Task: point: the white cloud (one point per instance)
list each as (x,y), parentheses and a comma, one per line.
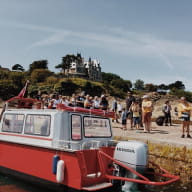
(56,38)
(121,42)
(127,42)
(117,40)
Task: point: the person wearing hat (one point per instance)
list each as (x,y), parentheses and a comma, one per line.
(184,112)
(147,108)
(104,104)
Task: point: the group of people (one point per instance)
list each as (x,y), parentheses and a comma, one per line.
(183,111)
(76,100)
(139,112)
(136,110)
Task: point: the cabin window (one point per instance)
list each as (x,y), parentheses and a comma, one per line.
(13,123)
(97,127)
(76,127)
(38,125)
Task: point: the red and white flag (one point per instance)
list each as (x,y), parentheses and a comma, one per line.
(23,91)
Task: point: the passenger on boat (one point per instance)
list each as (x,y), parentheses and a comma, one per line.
(104,104)
(88,102)
(73,100)
(81,99)
(96,102)
(64,100)
(45,99)
(54,101)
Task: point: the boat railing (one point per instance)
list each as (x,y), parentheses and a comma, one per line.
(79,145)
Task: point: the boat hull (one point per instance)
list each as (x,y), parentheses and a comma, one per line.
(44,184)
(35,164)
(36,181)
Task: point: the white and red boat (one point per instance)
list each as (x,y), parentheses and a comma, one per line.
(71,148)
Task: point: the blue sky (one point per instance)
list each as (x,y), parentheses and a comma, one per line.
(149,40)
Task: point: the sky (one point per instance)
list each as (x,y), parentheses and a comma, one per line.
(150,40)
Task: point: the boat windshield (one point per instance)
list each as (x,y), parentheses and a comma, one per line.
(96,127)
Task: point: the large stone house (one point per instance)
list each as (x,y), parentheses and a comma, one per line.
(90,69)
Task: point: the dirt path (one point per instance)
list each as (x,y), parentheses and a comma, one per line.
(159,134)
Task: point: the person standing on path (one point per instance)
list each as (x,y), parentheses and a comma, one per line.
(129,100)
(147,108)
(184,112)
(124,119)
(114,109)
(167,113)
(136,109)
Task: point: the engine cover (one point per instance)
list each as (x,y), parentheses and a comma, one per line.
(132,153)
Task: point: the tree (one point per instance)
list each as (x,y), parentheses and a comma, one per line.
(139,84)
(88,87)
(163,86)
(4,74)
(108,77)
(51,80)
(122,84)
(40,75)
(150,87)
(18,78)
(128,84)
(18,67)
(8,89)
(41,64)
(97,90)
(66,87)
(66,62)
(177,85)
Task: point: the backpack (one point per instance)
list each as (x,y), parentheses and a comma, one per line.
(160,120)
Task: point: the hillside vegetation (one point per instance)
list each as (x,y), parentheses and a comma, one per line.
(45,81)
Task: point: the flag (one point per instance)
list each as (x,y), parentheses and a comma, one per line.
(23,91)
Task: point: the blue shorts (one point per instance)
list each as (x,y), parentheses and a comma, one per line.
(136,120)
(185,117)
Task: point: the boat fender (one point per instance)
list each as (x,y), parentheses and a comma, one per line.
(60,171)
(54,163)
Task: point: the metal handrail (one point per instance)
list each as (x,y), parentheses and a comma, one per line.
(143,179)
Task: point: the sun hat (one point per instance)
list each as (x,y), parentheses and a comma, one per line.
(145,96)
